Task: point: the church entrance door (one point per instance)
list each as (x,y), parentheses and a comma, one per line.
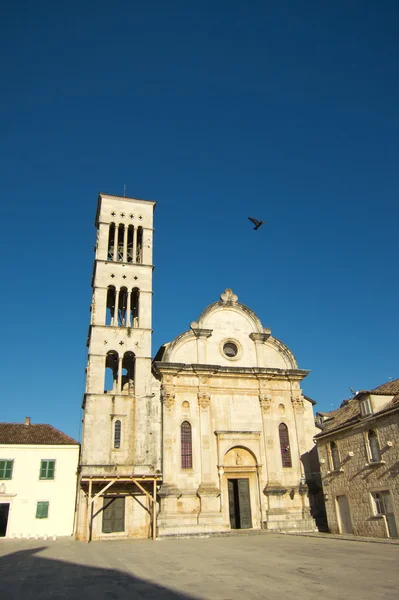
(239,504)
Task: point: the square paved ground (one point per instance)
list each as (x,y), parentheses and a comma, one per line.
(268,566)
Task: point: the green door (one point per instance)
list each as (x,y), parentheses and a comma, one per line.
(239,504)
(114,515)
(244,504)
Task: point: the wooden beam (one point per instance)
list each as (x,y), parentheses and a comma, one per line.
(143,490)
(154,510)
(101,491)
(88,514)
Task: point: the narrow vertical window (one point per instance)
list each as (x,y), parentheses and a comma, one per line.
(186,446)
(121,231)
(110,311)
(139,247)
(336,463)
(111,371)
(285,445)
(134,309)
(374,447)
(128,368)
(117,434)
(111,241)
(122,316)
(130,232)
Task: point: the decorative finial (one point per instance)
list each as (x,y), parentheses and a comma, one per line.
(228,296)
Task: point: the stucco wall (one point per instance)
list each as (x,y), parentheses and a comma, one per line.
(25,489)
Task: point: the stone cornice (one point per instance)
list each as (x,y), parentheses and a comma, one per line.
(181,368)
(260,337)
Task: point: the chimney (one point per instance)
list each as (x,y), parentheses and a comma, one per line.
(27,420)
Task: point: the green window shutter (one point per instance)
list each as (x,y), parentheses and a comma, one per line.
(42,510)
(50,469)
(43,469)
(6,469)
(9,466)
(47,469)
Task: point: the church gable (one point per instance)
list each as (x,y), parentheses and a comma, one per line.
(229,334)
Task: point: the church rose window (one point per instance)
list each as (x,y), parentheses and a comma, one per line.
(186,446)
(230,349)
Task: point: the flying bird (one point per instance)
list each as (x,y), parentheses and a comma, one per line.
(256,222)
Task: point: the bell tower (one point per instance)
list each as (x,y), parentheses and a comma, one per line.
(121,424)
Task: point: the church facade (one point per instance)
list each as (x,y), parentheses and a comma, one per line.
(211,435)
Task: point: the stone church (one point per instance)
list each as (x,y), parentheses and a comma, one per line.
(211,435)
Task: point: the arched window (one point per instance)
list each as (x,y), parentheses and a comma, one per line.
(186,446)
(109,318)
(285,445)
(374,446)
(128,365)
(111,242)
(117,434)
(111,371)
(336,463)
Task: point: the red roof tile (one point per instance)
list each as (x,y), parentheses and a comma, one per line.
(19,433)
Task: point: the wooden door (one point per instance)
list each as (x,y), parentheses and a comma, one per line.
(344,514)
(389,514)
(114,515)
(244,502)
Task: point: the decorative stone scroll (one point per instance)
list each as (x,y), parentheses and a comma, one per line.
(266,402)
(204,400)
(168,399)
(297,404)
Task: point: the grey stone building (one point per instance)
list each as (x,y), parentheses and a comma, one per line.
(358,449)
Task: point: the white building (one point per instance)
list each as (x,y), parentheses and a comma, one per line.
(38,473)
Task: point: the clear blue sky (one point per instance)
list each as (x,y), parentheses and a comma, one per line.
(286,111)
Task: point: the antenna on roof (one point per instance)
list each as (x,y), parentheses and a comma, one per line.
(124,190)
(352,391)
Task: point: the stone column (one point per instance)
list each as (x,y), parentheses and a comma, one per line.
(134,244)
(120,374)
(208,491)
(169,491)
(116,242)
(259,339)
(125,234)
(116,307)
(201,335)
(128,307)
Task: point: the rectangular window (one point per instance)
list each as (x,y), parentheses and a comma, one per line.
(366,408)
(6,467)
(47,469)
(42,510)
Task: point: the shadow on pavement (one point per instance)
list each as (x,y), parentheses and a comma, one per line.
(25,576)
